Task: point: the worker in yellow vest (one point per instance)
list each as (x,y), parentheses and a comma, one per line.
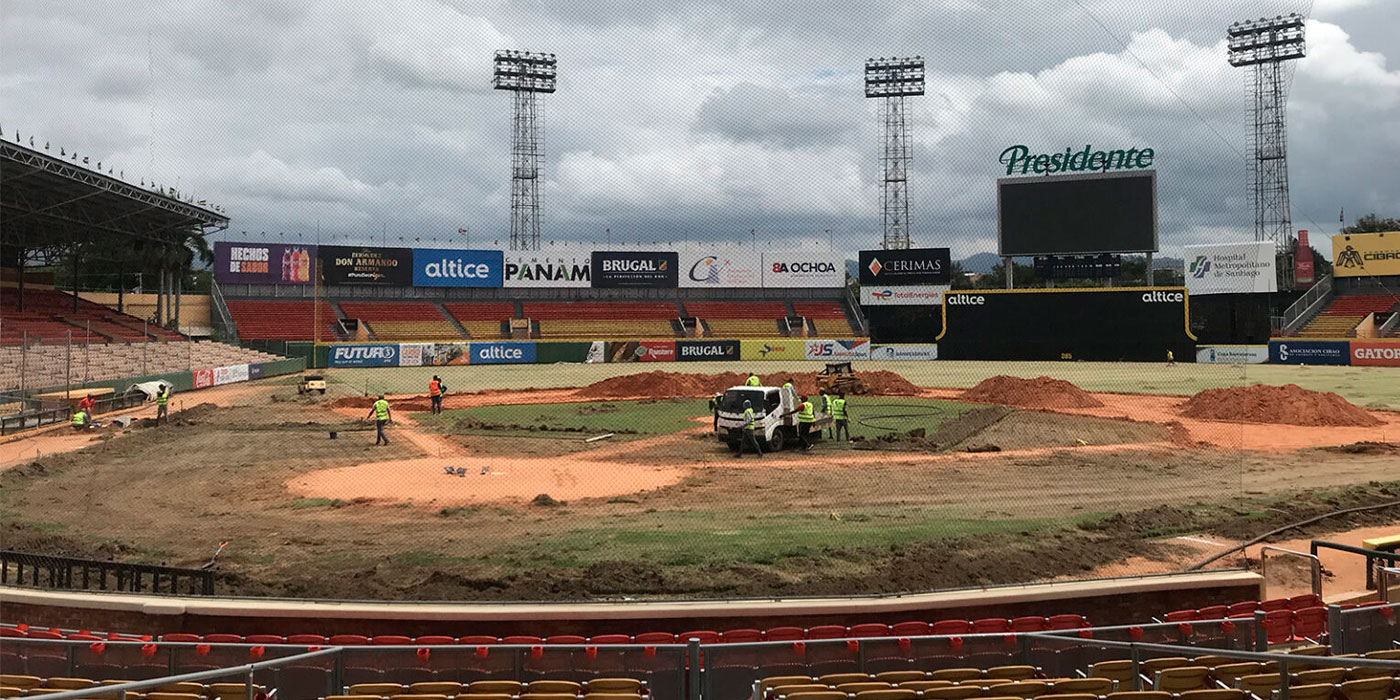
(840,417)
(80,421)
(806,416)
(753,380)
(750,432)
(380,412)
(163,404)
(826,409)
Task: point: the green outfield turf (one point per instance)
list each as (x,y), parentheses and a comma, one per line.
(1375,387)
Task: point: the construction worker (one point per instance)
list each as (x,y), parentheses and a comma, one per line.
(80,421)
(87,404)
(1171,359)
(714,409)
(789,389)
(806,416)
(750,436)
(840,417)
(435,391)
(163,404)
(753,380)
(380,412)
(826,409)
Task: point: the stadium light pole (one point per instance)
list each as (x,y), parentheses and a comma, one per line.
(1263,45)
(526,76)
(891,80)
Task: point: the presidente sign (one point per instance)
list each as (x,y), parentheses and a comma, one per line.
(1366,254)
(1018,159)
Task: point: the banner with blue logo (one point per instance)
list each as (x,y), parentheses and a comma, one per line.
(364,355)
(502,353)
(434,267)
(1310,352)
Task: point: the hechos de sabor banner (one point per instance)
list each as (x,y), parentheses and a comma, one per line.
(263,263)
(541,270)
(922,266)
(1231,268)
(634,269)
(801,268)
(725,269)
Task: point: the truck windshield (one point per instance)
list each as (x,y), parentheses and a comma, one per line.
(734,399)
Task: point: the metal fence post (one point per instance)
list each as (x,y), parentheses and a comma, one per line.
(338,671)
(1137,667)
(248,692)
(1336,631)
(1261,635)
(1283,679)
(1026,649)
(692,661)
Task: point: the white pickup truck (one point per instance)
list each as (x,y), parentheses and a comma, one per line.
(775,414)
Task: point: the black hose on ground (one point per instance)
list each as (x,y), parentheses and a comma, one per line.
(1360,509)
(922,412)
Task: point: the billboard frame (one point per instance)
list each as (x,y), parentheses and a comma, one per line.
(1115,175)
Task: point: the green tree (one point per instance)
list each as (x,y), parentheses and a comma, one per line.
(1371,223)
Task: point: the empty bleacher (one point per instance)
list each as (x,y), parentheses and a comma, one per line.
(603,319)
(402,321)
(739,319)
(43,366)
(281,319)
(828,318)
(1343,314)
(481,319)
(49,316)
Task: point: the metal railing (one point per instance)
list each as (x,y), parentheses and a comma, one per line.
(1389,327)
(36,414)
(73,573)
(1314,565)
(216,296)
(1299,312)
(1372,556)
(1363,629)
(1384,574)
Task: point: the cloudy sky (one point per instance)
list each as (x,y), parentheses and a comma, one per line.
(688,121)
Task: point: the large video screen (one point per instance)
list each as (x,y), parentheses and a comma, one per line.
(1077,215)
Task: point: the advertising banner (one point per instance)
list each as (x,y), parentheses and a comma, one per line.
(777,349)
(383,267)
(913,295)
(904,351)
(803,268)
(912,266)
(1369,353)
(1366,254)
(434,267)
(696,350)
(1232,354)
(255,371)
(1309,352)
(614,269)
(1303,274)
(443,354)
(546,352)
(733,269)
(642,351)
(230,374)
(553,271)
(364,355)
(502,353)
(1231,268)
(852,349)
(203,378)
(263,263)
(410,354)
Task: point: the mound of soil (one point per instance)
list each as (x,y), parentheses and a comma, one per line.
(660,384)
(1041,392)
(1289,404)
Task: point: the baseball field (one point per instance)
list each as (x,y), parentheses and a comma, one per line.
(594,481)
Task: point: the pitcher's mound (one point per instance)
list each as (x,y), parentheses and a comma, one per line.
(1289,404)
(1041,392)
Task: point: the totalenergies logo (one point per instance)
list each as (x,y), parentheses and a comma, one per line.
(883,294)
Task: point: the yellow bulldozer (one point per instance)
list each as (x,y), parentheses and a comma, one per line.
(838,377)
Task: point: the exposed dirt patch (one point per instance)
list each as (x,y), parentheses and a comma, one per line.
(1289,404)
(1029,429)
(947,435)
(1041,392)
(679,384)
(1366,448)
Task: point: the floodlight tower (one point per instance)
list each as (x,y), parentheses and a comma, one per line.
(1264,45)
(527,76)
(891,80)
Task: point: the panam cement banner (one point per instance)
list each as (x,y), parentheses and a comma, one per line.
(1366,254)
(1231,268)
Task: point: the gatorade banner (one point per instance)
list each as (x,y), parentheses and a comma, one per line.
(1370,353)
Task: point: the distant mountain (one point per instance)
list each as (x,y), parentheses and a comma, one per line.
(981,263)
(1164,263)
(853,269)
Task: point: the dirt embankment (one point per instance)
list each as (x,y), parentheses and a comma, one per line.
(678,384)
(1041,392)
(1289,404)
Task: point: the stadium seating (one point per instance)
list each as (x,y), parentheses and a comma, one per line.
(282,320)
(724,319)
(402,321)
(827,317)
(481,319)
(1344,312)
(607,320)
(44,365)
(49,317)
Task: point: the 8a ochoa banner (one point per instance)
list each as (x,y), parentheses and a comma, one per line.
(852,349)
(1309,352)
(1366,254)
(382,267)
(1139,324)
(632,269)
(263,263)
(697,350)
(904,351)
(912,266)
(364,355)
(721,269)
(502,353)
(777,349)
(642,351)
(1372,353)
(541,270)
(801,268)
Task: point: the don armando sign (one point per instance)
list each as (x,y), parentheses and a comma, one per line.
(1020,161)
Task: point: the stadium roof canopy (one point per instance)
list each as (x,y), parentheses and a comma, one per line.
(49,203)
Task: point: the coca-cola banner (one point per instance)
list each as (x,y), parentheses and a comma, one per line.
(264,263)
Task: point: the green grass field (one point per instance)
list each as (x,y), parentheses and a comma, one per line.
(1375,387)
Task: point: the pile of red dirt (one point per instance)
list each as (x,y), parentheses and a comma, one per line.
(1289,404)
(660,384)
(1041,392)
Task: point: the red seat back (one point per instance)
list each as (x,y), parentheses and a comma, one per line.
(1213,612)
(1244,606)
(656,638)
(1181,616)
(912,628)
(1310,623)
(479,639)
(566,639)
(1306,600)
(390,640)
(1066,622)
(952,627)
(705,636)
(349,640)
(221,638)
(990,625)
(783,634)
(266,639)
(302,639)
(740,635)
(610,639)
(522,639)
(1274,604)
(870,629)
(1029,624)
(434,639)
(826,632)
(1278,626)
(179,637)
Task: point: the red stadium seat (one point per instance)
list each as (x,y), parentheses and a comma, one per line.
(1244,606)
(1306,600)
(610,639)
(1309,624)
(740,635)
(1278,626)
(566,639)
(434,640)
(479,639)
(349,640)
(266,639)
(221,638)
(1181,616)
(912,628)
(991,625)
(870,629)
(705,636)
(12,632)
(1066,622)
(179,637)
(1274,604)
(655,638)
(827,632)
(943,627)
(783,634)
(1029,624)
(1213,612)
(522,639)
(390,640)
(305,639)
